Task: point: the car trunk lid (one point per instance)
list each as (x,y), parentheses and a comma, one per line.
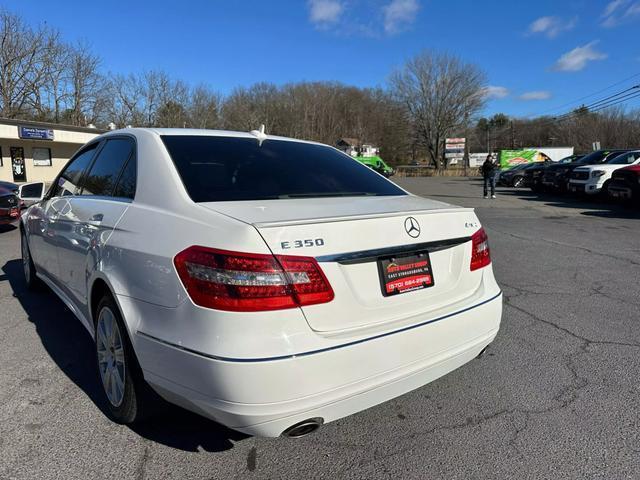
(348,237)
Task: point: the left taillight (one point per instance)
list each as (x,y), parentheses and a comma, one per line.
(250,282)
(480,253)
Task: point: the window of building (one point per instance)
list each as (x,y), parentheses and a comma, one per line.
(41,157)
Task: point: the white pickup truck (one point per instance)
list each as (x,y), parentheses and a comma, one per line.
(594,179)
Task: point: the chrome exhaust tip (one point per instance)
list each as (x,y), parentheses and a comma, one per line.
(303,428)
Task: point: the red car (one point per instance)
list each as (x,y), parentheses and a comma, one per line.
(9,205)
(625,183)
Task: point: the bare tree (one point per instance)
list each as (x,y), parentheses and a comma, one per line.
(440,93)
(23,64)
(125,106)
(85,85)
(204,108)
(54,94)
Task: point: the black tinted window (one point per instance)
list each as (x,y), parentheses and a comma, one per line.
(226,168)
(126,187)
(106,169)
(624,159)
(69,180)
(598,156)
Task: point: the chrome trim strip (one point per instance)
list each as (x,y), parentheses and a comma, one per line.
(363,256)
(321,350)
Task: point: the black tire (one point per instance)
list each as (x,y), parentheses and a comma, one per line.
(133,406)
(604,191)
(28,267)
(563,187)
(518,182)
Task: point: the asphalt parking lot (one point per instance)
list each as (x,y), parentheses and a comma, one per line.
(556,396)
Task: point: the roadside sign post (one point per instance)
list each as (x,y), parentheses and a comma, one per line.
(454,150)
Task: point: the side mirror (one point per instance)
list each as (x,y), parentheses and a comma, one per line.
(31,193)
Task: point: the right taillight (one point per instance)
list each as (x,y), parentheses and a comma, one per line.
(249,282)
(480,254)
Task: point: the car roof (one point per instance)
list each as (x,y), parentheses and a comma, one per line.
(204,133)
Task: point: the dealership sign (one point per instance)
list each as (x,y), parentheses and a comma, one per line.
(34,133)
(454,148)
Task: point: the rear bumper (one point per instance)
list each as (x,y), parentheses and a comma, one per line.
(266,396)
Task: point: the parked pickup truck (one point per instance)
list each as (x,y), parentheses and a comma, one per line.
(595,179)
(625,183)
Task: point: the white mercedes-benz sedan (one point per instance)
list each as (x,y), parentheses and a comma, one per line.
(270,284)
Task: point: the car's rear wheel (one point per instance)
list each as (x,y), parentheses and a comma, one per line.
(604,191)
(28,267)
(119,372)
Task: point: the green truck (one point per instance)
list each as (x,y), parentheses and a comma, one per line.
(377,164)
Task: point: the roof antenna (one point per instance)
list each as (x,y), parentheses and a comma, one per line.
(259,134)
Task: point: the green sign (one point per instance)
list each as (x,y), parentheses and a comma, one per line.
(511,158)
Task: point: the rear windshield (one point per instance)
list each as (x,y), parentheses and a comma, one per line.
(215,169)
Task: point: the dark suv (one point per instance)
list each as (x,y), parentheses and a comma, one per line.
(533,175)
(556,176)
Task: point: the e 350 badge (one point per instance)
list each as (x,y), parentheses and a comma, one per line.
(309,242)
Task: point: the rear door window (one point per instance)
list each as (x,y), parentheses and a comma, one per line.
(229,168)
(69,180)
(126,186)
(105,171)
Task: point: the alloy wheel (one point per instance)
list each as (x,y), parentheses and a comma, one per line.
(111,358)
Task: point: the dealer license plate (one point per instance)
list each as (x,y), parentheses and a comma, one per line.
(407,273)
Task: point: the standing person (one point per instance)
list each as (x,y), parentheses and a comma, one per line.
(488,170)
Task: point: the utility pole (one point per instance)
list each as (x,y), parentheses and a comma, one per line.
(466,144)
(488,129)
(513,139)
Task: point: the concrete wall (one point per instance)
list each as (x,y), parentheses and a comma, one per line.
(64,145)
(60,154)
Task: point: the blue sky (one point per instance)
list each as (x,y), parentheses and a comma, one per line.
(539,56)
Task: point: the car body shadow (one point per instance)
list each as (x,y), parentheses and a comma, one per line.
(7,227)
(592,207)
(71,347)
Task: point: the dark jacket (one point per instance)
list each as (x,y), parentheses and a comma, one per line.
(488,168)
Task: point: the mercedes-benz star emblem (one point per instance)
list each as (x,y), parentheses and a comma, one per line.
(412,227)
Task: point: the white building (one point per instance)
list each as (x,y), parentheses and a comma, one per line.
(352,146)
(37,151)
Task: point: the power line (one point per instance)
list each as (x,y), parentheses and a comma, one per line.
(606,102)
(586,96)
